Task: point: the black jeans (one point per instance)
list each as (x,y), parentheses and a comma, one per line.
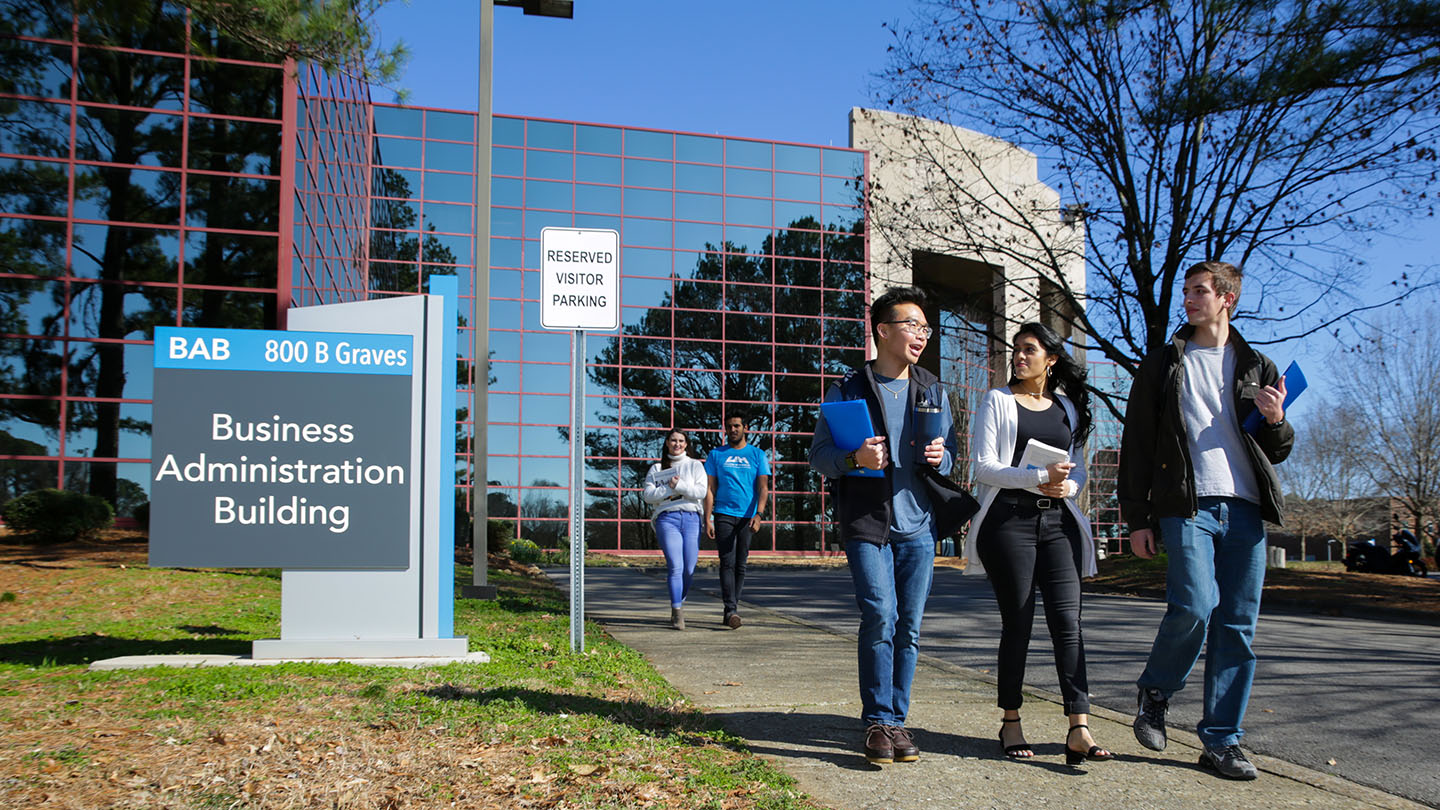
(1023,547)
(732,541)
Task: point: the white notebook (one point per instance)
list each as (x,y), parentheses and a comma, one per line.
(1038,456)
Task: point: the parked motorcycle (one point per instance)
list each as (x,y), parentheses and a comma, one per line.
(1367,556)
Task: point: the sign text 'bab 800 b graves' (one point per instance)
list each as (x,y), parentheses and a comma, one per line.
(579,278)
(281,449)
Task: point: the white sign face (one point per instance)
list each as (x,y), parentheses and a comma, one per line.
(580,278)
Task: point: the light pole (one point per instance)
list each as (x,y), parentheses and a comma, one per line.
(480,587)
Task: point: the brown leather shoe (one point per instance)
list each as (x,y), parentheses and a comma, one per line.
(732,621)
(903,744)
(878,748)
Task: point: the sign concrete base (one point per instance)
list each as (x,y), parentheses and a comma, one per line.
(271,648)
(197,661)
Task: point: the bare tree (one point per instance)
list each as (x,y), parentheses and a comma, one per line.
(1390,387)
(1326,485)
(1274,135)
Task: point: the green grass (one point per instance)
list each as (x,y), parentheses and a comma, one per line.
(607,707)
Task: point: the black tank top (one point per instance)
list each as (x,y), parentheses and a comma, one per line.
(1050,426)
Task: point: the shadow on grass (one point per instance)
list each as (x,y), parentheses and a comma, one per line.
(81,650)
(688,724)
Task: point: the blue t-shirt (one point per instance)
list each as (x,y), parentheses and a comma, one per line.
(735,472)
(910,516)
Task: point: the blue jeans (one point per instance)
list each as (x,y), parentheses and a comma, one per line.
(892,583)
(1216,571)
(679,533)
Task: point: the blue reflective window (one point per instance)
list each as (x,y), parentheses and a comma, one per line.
(397,121)
(647,232)
(747,153)
(504,284)
(507,161)
(747,211)
(698,235)
(450,187)
(448,218)
(745,239)
(637,291)
(502,438)
(705,207)
(546,346)
(644,262)
(597,221)
(601,199)
(640,143)
(547,410)
(547,194)
(841,191)
(535,222)
(653,173)
(503,315)
(507,131)
(506,191)
(548,165)
(844,163)
(504,221)
(797,186)
(699,149)
(797,158)
(401,183)
(506,253)
(450,126)
(532,261)
(597,169)
(788,214)
(443,249)
(690,177)
(550,135)
(841,217)
(645,203)
(749,182)
(541,378)
(398,152)
(605,140)
(506,346)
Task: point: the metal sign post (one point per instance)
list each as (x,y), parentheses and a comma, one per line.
(579,290)
(577,494)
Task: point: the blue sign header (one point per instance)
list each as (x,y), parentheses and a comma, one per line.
(265,350)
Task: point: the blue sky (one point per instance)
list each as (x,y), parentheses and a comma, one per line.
(773,69)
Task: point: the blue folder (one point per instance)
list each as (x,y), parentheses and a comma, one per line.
(1295,385)
(850,425)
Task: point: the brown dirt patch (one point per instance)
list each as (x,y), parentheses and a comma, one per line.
(111,547)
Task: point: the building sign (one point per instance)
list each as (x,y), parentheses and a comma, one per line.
(281,449)
(579,279)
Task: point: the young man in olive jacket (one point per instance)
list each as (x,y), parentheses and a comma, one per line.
(889,523)
(1190,472)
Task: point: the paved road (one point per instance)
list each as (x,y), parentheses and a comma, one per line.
(1360,692)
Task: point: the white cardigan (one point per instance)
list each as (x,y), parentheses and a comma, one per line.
(689,482)
(994,447)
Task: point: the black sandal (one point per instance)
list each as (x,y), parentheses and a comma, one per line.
(1017,751)
(1073,757)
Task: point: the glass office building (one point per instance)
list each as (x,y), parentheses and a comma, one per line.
(143,184)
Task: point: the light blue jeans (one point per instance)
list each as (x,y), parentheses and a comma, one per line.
(1216,571)
(678,531)
(892,583)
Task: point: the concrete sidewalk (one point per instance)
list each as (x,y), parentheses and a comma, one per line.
(790,690)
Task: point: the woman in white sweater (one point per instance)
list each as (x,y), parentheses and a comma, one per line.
(676,486)
(1029,534)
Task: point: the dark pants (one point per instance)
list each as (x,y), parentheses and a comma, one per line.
(1023,547)
(732,541)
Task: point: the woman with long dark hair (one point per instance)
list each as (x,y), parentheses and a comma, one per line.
(676,486)
(1029,533)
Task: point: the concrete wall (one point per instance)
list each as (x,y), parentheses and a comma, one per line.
(953,192)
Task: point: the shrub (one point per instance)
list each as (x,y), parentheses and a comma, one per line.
(498,535)
(141,514)
(57,515)
(524,551)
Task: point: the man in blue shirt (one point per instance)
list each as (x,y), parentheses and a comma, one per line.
(739,477)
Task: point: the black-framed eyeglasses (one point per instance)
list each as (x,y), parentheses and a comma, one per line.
(914,327)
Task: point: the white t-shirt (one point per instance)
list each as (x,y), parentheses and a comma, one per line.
(1217,450)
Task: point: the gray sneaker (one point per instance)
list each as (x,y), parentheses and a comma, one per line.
(1229,762)
(1150,719)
